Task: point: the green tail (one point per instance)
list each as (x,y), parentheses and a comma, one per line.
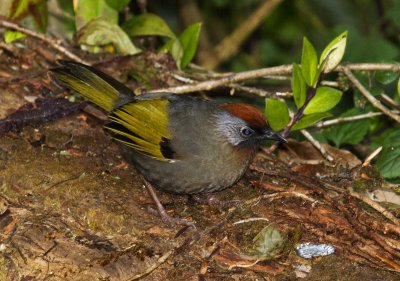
(94,85)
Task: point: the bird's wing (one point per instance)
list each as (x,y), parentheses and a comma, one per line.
(143,126)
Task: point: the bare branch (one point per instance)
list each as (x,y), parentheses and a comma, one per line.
(376,103)
(261,92)
(375,153)
(390,101)
(227,80)
(317,145)
(392,67)
(331,122)
(376,206)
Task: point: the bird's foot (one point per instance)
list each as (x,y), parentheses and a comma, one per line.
(212,200)
(167,219)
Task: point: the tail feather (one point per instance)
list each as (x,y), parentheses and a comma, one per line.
(94,85)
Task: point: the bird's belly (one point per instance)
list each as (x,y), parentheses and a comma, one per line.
(187,176)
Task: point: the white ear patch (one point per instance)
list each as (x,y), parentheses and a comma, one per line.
(229,126)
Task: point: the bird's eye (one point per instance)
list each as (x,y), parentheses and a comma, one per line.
(246,132)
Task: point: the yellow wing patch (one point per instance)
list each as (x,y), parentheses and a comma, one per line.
(142,125)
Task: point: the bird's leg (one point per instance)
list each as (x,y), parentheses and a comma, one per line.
(161,210)
(212,200)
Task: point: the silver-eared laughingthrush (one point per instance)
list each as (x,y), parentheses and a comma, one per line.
(180,144)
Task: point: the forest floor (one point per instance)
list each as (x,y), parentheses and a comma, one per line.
(71,208)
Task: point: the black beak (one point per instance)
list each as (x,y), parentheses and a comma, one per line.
(271,135)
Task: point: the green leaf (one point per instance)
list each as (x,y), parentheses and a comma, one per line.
(386,77)
(174,47)
(118,4)
(10,36)
(277,114)
(85,11)
(309,63)
(388,162)
(393,139)
(299,86)
(325,99)
(147,25)
(333,53)
(189,41)
(100,32)
(349,132)
(268,242)
(309,120)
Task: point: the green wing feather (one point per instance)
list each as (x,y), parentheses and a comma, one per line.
(142,125)
(138,123)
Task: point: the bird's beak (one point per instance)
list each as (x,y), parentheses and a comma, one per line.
(271,135)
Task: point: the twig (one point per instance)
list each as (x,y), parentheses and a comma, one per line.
(260,92)
(77,176)
(375,206)
(393,67)
(289,193)
(227,80)
(376,103)
(53,42)
(279,77)
(367,160)
(331,122)
(159,262)
(250,220)
(330,83)
(390,101)
(243,265)
(183,79)
(317,145)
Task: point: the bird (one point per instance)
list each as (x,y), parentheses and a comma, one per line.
(180,144)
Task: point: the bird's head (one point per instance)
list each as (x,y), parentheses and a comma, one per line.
(244,126)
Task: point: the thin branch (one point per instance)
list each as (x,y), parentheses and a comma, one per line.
(51,41)
(250,220)
(317,145)
(375,153)
(227,80)
(390,101)
(376,206)
(260,92)
(376,103)
(392,67)
(278,77)
(330,83)
(331,122)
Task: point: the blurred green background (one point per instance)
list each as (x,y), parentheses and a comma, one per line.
(373,25)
